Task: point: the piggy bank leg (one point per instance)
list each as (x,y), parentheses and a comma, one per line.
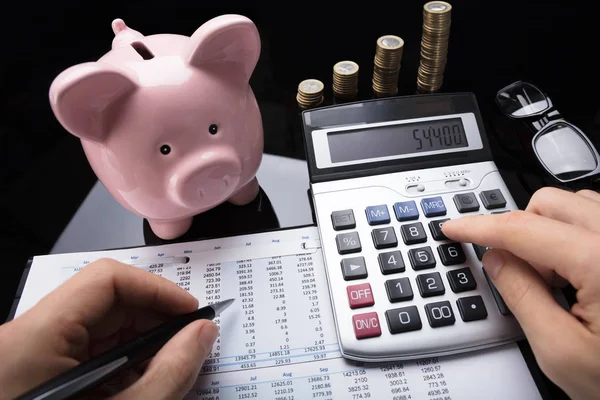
(246,194)
(227,219)
(170,229)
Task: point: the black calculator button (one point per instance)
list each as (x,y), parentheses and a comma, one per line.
(501,212)
(451,253)
(377,215)
(480,251)
(466,202)
(348,243)
(430,284)
(461,280)
(354,268)
(399,290)
(391,262)
(421,258)
(436,229)
(492,199)
(502,307)
(433,206)
(404,319)
(384,238)
(471,308)
(343,219)
(406,211)
(413,233)
(440,314)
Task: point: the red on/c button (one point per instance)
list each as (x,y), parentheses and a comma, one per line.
(366,325)
(360,295)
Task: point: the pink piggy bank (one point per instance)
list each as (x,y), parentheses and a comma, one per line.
(169,123)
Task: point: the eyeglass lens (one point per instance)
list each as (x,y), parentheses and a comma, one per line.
(522,100)
(564,152)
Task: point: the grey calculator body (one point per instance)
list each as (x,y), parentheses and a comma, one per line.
(383,173)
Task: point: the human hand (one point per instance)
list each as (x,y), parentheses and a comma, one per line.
(557,236)
(102,305)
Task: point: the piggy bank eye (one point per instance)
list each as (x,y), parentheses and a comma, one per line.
(165,149)
(213,129)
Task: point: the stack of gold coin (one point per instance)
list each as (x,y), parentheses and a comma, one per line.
(434,46)
(345,79)
(310,93)
(388,55)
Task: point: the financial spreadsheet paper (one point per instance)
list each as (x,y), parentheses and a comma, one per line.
(278,339)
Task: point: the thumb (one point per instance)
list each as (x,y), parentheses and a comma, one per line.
(175,368)
(528,297)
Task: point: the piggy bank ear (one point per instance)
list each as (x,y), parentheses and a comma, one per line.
(85,98)
(227,40)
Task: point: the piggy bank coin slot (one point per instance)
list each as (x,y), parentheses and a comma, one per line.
(142,50)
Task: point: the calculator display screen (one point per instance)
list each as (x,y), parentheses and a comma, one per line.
(399,139)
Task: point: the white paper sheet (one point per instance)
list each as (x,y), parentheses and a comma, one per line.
(278,339)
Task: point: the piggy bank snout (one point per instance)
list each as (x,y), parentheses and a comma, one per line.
(202,181)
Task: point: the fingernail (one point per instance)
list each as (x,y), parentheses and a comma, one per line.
(209,332)
(492,262)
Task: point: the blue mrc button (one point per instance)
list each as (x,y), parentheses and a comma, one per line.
(377,215)
(433,206)
(406,210)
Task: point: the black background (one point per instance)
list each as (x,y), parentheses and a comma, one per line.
(44,175)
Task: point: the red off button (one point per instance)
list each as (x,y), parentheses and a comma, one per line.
(360,295)
(366,325)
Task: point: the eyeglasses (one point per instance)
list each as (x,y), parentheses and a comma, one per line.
(562,149)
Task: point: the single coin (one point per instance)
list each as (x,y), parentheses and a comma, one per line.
(310,86)
(345,67)
(390,42)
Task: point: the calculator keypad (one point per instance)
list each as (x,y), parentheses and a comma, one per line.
(399,290)
(348,243)
(492,199)
(366,325)
(391,262)
(354,268)
(421,258)
(384,238)
(430,284)
(413,233)
(343,219)
(451,254)
(471,308)
(433,206)
(404,319)
(408,270)
(466,202)
(360,295)
(378,215)
(406,211)
(435,227)
(461,280)
(440,314)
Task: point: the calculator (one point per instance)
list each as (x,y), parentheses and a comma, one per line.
(384,175)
